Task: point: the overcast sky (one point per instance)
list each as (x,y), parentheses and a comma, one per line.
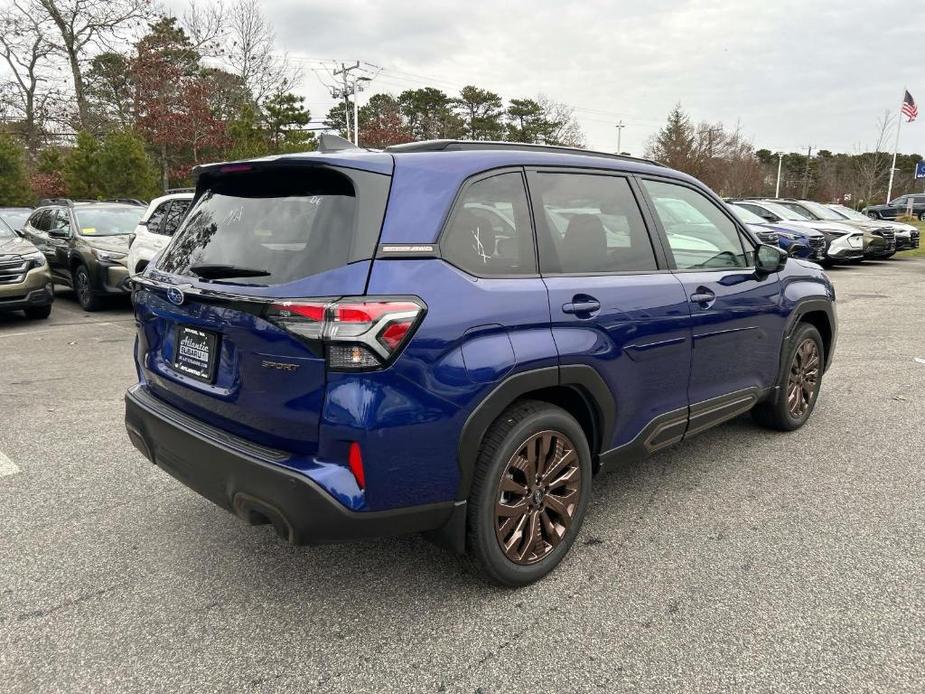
(795,73)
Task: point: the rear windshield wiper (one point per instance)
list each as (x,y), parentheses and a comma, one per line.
(213,272)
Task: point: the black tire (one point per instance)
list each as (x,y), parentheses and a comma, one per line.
(873,215)
(777,412)
(83,287)
(38,312)
(922,216)
(527,421)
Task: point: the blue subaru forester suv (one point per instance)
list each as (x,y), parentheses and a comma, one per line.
(455,337)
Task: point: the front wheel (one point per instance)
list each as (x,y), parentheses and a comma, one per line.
(922,216)
(798,383)
(530,491)
(84,289)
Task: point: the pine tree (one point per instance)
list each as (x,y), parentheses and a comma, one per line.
(14,182)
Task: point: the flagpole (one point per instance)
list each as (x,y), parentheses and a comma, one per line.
(899,123)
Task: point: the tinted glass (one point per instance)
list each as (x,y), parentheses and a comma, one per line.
(284,224)
(592,225)
(156,220)
(746,215)
(41,220)
(108,221)
(489,234)
(174,216)
(700,235)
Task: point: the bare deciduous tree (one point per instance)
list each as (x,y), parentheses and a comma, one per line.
(207,27)
(25,48)
(873,166)
(86,24)
(250,52)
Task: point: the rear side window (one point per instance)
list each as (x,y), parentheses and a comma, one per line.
(157,218)
(41,220)
(700,235)
(592,225)
(174,216)
(489,233)
(279,225)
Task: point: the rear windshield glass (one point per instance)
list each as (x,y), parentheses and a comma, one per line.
(108,221)
(280,225)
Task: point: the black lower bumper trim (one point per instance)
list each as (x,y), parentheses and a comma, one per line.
(256,490)
(35,298)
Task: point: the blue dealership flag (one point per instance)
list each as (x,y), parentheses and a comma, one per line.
(920,169)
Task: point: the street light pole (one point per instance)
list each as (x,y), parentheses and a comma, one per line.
(620,127)
(780,161)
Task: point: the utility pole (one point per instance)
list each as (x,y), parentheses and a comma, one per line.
(620,127)
(809,155)
(350,88)
(710,132)
(780,161)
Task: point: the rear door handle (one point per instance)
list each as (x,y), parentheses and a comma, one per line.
(703,296)
(587,306)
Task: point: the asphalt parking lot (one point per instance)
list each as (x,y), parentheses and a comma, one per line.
(742,560)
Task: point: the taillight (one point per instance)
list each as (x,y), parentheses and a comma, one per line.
(358,334)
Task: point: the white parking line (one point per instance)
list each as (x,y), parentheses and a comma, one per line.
(7,466)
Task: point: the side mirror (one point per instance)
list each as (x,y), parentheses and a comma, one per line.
(769,259)
(60,233)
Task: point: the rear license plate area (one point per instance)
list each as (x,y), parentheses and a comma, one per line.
(196,353)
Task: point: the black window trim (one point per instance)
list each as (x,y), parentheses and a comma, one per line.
(709,195)
(661,260)
(454,209)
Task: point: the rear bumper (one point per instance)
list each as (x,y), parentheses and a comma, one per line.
(241,478)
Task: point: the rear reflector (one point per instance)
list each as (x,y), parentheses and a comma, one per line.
(358,334)
(355,463)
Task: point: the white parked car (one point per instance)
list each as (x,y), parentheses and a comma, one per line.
(156,228)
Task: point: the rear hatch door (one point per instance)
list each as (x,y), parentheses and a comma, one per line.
(257,235)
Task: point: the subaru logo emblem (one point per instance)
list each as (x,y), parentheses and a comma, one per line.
(175,296)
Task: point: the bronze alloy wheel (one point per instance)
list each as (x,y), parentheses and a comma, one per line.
(539,492)
(804,378)
(82,280)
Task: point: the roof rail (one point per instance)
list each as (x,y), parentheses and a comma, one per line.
(55,201)
(171,191)
(469,145)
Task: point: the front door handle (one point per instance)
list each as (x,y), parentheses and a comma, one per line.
(703,296)
(585,306)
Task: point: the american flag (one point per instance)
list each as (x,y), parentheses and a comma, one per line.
(909,109)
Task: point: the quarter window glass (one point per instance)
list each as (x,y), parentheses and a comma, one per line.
(62,220)
(489,234)
(699,234)
(174,216)
(592,225)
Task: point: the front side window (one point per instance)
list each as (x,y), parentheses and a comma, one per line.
(699,234)
(489,233)
(591,224)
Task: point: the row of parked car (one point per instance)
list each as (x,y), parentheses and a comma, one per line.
(91,246)
(827,234)
(94,246)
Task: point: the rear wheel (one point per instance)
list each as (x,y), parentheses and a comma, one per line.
(84,289)
(922,216)
(529,495)
(38,312)
(798,384)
